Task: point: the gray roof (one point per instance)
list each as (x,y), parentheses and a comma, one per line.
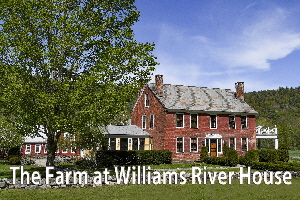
(37,139)
(191,98)
(126,130)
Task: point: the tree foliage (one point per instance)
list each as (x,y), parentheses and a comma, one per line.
(279,107)
(69,66)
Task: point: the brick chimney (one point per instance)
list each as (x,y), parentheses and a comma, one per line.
(239,86)
(159,82)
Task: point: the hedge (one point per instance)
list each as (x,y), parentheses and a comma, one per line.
(203,153)
(232,159)
(109,158)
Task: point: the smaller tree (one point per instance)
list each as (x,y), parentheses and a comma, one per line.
(8,135)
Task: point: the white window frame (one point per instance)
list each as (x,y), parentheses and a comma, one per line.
(147,100)
(182,145)
(144,122)
(191,120)
(216,122)
(182,120)
(234,121)
(64,150)
(27,150)
(247,144)
(246,122)
(234,142)
(191,144)
(39,148)
(151,121)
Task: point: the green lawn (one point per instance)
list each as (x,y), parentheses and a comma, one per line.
(187,191)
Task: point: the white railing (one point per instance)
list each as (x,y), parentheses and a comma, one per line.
(264,130)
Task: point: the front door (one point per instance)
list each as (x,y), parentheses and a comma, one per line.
(213,147)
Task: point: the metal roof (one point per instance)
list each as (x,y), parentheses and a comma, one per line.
(191,98)
(126,130)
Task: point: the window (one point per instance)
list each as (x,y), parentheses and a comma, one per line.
(124,144)
(144,122)
(37,148)
(244,144)
(179,120)
(73,150)
(244,124)
(141,143)
(135,144)
(194,120)
(213,121)
(28,149)
(179,145)
(112,144)
(232,143)
(219,145)
(151,121)
(45,148)
(231,122)
(194,144)
(65,150)
(147,100)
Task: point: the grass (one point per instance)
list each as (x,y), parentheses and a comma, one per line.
(187,191)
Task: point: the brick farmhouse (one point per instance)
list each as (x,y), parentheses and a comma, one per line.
(182,119)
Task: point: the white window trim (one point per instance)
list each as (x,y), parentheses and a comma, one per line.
(39,149)
(234,121)
(234,142)
(152,121)
(216,122)
(28,150)
(182,145)
(73,150)
(246,122)
(65,151)
(147,95)
(144,127)
(246,143)
(191,119)
(191,144)
(182,119)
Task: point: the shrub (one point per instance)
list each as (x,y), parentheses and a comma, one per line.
(233,158)
(268,155)
(283,154)
(13,152)
(250,157)
(14,160)
(226,150)
(108,158)
(203,153)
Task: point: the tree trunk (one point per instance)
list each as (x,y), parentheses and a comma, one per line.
(52,146)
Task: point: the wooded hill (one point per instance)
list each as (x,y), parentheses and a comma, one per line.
(279,107)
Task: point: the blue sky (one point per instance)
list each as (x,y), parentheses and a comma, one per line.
(215,43)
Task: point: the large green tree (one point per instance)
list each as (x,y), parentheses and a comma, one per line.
(69,66)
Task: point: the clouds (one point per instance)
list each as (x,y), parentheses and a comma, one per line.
(225,42)
(266,38)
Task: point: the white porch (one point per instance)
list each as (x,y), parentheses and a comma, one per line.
(264,132)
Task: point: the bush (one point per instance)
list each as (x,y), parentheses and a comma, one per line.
(233,158)
(283,154)
(268,155)
(203,153)
(108,158)
(250,157)
(13,152)
(226,150)
(14,160)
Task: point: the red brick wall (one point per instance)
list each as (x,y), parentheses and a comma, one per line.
(155,108)
(165,132)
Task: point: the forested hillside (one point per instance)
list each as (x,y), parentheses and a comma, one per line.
(279,107)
